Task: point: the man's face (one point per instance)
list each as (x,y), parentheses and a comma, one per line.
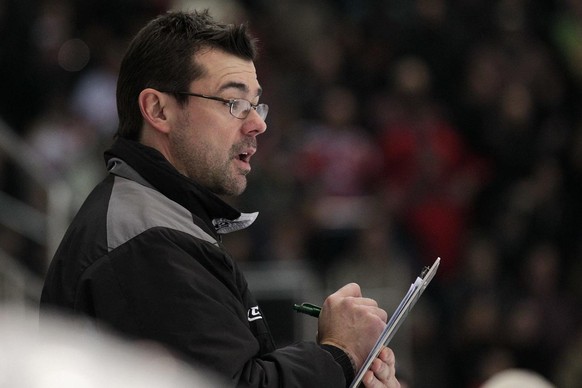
(206,142)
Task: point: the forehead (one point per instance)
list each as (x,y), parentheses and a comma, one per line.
(223,70)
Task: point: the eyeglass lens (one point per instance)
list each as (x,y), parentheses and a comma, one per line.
(242,108)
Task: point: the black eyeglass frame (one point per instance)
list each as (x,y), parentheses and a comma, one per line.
(230,103)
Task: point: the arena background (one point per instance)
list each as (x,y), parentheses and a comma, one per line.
(399,131)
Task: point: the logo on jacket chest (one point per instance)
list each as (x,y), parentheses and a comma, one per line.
(254,313)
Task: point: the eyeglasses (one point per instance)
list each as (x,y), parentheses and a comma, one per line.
(239,107)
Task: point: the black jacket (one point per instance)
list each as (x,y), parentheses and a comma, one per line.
(144,256)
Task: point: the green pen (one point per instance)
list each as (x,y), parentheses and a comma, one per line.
(307,308)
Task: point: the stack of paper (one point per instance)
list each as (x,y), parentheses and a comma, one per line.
(414,292)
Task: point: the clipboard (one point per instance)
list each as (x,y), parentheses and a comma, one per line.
(412,296)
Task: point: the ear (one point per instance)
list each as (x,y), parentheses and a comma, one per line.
(154,107)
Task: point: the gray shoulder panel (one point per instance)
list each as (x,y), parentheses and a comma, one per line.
(135,208)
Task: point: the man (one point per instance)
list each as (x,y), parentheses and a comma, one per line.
(144,253)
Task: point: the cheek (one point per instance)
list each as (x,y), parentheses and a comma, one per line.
(210,135)
(222,140)
(216,150)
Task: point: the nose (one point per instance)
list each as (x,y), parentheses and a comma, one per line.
(254,125)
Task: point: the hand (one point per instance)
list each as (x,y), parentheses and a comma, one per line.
(351,322)
(382,372)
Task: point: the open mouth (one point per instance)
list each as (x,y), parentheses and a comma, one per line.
(244,157)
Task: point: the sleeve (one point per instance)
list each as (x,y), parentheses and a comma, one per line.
(163,287)
(344,360)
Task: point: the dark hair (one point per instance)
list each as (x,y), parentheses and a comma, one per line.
(160,56)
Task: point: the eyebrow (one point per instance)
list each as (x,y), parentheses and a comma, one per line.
(239,86)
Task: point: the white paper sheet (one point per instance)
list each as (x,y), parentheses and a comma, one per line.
(414,292)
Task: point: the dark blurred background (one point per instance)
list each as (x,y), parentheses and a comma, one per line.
(399,131)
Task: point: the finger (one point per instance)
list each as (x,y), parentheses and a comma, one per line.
(387,356)
(350,289)
(369,302)
(382,314)
(367,306)
(366,302)
(372,380)
(381,370)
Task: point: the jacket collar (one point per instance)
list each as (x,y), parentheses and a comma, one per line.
(149,167)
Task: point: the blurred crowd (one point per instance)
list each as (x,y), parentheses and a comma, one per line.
(399,131)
